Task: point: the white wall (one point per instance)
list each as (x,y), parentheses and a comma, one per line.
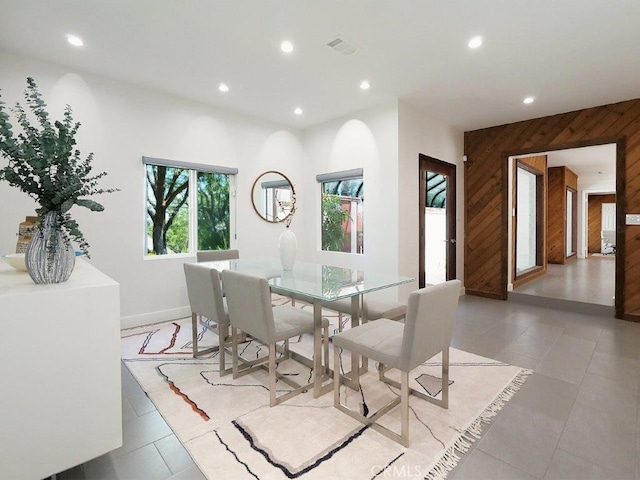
(120,124)
(367,140)
(419,133)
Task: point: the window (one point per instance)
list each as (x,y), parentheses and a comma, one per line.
(529,226)
(342,211)
(188,207)
(571,222)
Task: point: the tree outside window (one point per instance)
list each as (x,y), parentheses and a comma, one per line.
(213,211)
(186,210)
(343,215)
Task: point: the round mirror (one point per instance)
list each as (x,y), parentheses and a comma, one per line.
(273,197)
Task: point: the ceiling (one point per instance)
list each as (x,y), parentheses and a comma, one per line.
(593,165)
(569,54)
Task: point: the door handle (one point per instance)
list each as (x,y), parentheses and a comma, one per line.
(453,240)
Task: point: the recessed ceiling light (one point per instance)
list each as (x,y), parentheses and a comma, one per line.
(475,42)
(528,100)
(75,40)
(286,46)
(365,85)
(223,87)
(298,111)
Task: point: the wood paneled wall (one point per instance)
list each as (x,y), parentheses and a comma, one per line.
(556,215)
(594,219)
(559,179)
(486,172)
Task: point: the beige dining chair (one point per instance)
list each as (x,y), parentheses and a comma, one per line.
(215,255)
(371,309)
(204,289)
(426,332)
(251,310)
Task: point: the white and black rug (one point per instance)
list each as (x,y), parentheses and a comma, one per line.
(231,432)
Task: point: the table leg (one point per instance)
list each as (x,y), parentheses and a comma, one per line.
(318,370)
(319,377)
(357,314)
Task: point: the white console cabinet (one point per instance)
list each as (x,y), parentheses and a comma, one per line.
(60,402)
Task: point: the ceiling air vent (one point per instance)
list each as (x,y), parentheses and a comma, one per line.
(341,45)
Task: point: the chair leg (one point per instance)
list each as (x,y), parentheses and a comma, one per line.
(223,338)
(221,342)
(404,406)
(234,351)
(371,420)
(336,376)
(194,332)
(339,322)
(325,342)
(194,338)
(445,378)
(444,402)
(272,374)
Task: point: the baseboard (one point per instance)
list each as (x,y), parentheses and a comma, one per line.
(479,293)
(630,317)
(154,317)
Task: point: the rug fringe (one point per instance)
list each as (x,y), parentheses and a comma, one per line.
(450,457)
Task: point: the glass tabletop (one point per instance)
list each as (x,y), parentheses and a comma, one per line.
(313,280)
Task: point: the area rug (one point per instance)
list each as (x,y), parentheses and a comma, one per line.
(231,432)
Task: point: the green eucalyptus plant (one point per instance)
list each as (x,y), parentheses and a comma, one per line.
(44,164)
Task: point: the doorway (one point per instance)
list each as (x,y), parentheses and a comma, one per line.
(437,244)
(577,267)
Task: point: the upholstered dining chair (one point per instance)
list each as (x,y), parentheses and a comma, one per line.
(204,289)
(251,310)
(426,331)
(215,255)
(371,309)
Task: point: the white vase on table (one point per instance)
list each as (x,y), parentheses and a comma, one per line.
(288,246)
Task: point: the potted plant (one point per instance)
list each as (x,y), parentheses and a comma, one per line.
(43,163)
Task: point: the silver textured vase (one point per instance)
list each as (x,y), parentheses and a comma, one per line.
(46,265)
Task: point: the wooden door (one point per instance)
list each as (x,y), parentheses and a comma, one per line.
(437,209)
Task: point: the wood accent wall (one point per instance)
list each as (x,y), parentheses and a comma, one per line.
(594,220)
(559,179)
(486,172)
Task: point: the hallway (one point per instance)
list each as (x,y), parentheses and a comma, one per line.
(590,280)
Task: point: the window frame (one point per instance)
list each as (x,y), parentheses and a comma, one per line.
(344,175)
(193,170)
(539,220)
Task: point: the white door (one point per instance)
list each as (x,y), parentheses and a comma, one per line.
(608,239)
(609,216)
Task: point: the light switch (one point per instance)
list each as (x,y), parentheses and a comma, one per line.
(633,219)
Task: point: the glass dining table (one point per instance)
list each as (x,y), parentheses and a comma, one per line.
(316,283)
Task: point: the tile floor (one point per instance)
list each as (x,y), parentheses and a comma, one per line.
(150,450)
(576,417)
(590,280)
